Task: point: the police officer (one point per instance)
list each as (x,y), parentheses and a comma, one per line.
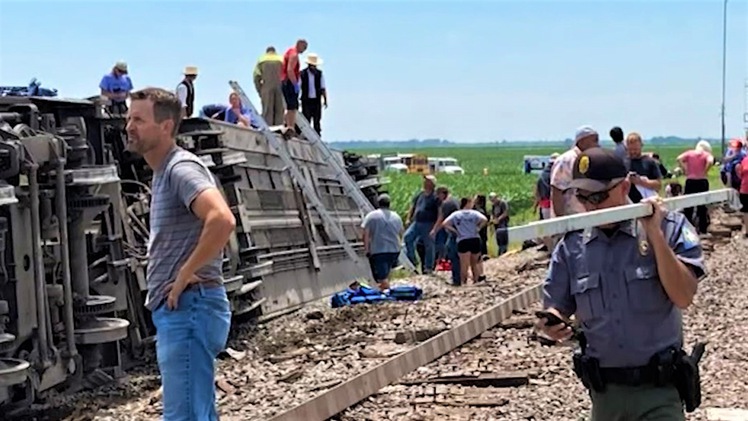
(626,284)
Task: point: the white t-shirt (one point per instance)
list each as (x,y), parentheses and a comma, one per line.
(182,94)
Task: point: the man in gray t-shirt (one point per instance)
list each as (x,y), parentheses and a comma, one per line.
(383,229)
(500,221)
(190,224)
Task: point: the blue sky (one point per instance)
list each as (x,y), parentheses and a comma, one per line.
(465,71)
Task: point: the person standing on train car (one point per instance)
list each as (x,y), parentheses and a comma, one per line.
(626,284)
(116,86)
(313,92)
(186,91)
(190,225)
(267,78)
(290,82)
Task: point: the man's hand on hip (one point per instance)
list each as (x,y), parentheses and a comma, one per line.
(175,289)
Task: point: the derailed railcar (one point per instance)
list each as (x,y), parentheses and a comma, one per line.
(281,248)
(74,207)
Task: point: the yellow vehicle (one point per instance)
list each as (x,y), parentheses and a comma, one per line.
(416,163)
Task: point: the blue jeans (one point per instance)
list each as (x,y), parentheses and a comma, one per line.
(440,244)
(454,258)
(420,231)
(188,340)
(502,239)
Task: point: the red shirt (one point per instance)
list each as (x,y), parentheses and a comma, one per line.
(743,175)
(284,70)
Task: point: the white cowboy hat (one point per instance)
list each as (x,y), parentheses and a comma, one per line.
(190,71)
(313,59)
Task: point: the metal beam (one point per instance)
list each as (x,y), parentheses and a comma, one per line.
(351,392)
(585,220)
(366,384)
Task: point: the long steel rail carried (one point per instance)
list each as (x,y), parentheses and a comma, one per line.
(339,398)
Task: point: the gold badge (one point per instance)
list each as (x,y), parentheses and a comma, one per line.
(643,248)
(584,164)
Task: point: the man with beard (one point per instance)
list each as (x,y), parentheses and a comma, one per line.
(626,284)
(190,225)
(644,171)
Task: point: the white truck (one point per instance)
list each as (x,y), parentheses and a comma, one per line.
(535,163)
(446,165)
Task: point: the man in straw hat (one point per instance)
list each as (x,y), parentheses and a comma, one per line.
(116,86)
(267,78)
(186,91)
(313,91)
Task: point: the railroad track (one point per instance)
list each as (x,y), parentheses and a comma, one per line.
(506,374)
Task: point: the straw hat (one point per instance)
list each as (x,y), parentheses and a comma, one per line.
(190,71)
(313,59)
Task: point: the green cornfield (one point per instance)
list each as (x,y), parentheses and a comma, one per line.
(505,175)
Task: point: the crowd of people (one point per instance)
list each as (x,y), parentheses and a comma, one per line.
(442,231)
(282,86)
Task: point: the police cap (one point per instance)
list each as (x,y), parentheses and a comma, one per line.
(597,169)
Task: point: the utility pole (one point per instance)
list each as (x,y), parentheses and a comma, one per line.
(745,111)
(724,70)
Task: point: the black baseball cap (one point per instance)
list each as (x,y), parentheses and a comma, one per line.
(597,169)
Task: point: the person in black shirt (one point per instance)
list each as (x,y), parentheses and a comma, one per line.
(663,169)
(644,172)
(422,215)
(480,206)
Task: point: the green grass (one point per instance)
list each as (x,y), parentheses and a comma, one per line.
(505,175)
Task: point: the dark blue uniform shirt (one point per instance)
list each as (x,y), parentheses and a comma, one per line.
(612,286)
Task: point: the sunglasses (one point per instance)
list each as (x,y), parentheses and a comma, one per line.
(597,197)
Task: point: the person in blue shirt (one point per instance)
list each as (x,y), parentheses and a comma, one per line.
(237,113)
(116,86)
(733,156)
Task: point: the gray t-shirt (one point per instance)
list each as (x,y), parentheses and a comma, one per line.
(175,230)
(384,228)
(466,221)
(449,206)
(498,208)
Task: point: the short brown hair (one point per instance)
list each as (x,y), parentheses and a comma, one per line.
(634,136)
(166,105)
(442,190)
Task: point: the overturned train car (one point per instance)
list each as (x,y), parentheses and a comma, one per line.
(74,230)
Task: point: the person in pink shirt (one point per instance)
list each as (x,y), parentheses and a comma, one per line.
(696,163)
(742,171)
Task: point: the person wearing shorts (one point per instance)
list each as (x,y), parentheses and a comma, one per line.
(290,83)
(383,231)
(742,171)
(466,224)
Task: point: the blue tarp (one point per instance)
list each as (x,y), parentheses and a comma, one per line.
(366,294)
(34,88)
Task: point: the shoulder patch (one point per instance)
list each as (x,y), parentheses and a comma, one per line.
(688,237)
